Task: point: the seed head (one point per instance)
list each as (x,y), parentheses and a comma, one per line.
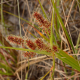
(40,43)
(30,44)
(15,40)
(29,54)
(41,20)
(55,49)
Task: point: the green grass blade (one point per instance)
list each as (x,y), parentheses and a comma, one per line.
(56,28)
(78,40)
(19,18)
(61,55)
(51,38)
(26,76)
(68,59)
(36,51)
(5,73)
(6,63)
(2,16)
(64,29)
(5,67)
(2,57)
(2,19)
(57,25)
(42,9)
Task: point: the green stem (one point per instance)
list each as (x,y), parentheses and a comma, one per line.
(53,67)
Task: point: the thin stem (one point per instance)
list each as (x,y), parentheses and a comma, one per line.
(53,67)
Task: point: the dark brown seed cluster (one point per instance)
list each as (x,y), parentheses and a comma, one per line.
(30,44)
(48,49)
(15,39)
(41,45)
(41,20)
(55,49)
(29,54)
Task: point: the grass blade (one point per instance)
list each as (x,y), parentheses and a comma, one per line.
(63,27)
(51,38)
(36,51)
(42,9)
(39,32)
(78,40)
(68,59)
(5,73)
(5,67)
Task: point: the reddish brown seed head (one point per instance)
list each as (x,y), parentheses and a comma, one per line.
(46,24)
(29,54)
(55,49)
(48,49)
(40,43)
(30,44)
(41,20)
(39,17)
(15,39)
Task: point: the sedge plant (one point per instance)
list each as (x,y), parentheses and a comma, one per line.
(49,42)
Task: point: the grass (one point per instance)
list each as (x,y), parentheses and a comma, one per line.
(51,38)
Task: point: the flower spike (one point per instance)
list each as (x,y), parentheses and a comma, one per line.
(15,40)
(30,44)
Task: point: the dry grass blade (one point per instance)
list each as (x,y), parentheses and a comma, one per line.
(1,77)
(30,63)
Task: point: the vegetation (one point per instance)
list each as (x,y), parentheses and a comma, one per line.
(49,42)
